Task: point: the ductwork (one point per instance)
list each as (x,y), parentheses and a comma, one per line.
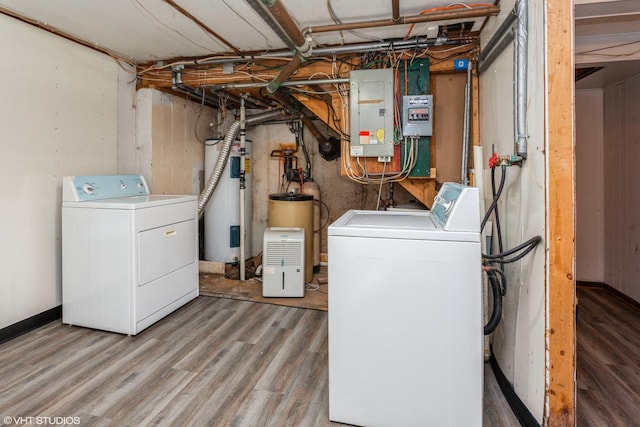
(223,156)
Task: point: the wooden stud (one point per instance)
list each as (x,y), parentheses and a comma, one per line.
(559,146)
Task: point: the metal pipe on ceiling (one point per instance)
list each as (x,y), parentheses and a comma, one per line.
(277,16)
(446,15)
(179,86)
(395,10)
(500,40)
(202,25)
(359,47)
(270,20)
(255,85)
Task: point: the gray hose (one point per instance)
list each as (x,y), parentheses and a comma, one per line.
(223,157)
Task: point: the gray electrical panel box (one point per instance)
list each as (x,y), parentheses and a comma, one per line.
(371,108)
(417,115)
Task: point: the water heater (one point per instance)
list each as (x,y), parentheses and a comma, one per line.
(222,216)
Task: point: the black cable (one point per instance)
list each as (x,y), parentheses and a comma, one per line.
(529,245)
(496,211)
(496,313)
(503,277)
(494,203)
(328,216)
(517,257)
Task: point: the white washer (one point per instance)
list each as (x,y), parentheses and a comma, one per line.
(128,258)
(405,315)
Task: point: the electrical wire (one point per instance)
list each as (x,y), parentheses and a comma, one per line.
(494,202)
(528,246)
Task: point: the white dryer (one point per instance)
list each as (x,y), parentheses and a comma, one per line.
(128,258)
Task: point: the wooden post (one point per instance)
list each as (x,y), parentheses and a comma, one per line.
(560,221)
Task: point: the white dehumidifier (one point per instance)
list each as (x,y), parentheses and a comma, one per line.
(283,262)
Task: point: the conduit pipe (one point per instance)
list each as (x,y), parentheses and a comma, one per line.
(254,85)
(476,12)
(243,147)
(521,78)
(223,156)
(323,51)
(466,129)
(179,86)
(500,40)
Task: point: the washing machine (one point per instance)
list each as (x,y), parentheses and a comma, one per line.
(405,315)
(129,258)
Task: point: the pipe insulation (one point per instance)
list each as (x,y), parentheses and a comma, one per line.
(223,157)
(522,48)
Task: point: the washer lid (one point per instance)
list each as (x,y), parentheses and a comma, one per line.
(418,225)
(134,202)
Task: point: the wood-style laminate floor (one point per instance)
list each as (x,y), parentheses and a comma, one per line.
(215,362)
(608,360)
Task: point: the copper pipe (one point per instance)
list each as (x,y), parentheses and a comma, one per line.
(202,25)
(285,20)
(446,15)
(395,10)
(286,72)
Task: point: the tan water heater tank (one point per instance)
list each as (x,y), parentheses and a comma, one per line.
(295,210)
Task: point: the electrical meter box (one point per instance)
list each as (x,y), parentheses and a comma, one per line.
(417,115)
(371,108)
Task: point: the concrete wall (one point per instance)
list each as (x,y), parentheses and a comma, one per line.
(58,117)
(622,195)
(590,185)
(519,341)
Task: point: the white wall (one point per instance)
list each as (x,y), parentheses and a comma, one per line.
(589,111)
(58,116)
(622,195)
(519,341)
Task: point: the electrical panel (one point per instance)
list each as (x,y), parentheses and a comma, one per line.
(371,108)
(417,115)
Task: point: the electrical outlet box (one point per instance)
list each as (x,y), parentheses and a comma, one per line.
(371,108)
(417,115)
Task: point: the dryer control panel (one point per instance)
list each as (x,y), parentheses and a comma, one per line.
(82,188)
